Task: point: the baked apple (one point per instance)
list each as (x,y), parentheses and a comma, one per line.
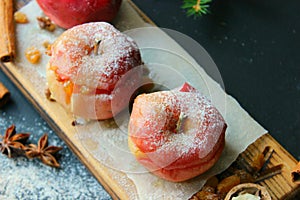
(176,134)
(86,63)
(68,13)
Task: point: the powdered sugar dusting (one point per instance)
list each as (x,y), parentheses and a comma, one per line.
(94,55)
(200,127)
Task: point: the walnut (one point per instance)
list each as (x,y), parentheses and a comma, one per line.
(250,190)
(46,23)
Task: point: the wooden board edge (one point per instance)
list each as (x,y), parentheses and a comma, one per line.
(281,147)
(141,13)
(287,154)
(280,156)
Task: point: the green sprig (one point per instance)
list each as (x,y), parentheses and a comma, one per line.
(196,7)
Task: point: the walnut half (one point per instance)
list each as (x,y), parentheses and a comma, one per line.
(250,190)
(46,23)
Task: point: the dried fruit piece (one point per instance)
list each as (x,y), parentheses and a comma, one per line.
(262,159)
(208,189)
(33,55)
(212,182)
(245,177)
(193,198)
(47,46)
(20,17)
(258,161)
(48,95)
(227,183)
(205,195)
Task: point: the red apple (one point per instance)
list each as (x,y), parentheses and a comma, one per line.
(68,13)
(176,134)
(92,79)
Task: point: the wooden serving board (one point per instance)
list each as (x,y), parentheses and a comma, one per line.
(108,177)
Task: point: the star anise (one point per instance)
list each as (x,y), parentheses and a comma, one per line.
(12,142)
(42,151)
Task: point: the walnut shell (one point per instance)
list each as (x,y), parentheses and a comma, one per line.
(249,188)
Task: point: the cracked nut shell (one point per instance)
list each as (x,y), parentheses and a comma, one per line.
(250,188)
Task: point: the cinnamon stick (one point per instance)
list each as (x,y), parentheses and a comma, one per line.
(7,32)
(4,95)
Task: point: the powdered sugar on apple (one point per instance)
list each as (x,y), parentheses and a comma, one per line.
(172,126)
(88,60)
(94,55)
(195,107)
(196,137)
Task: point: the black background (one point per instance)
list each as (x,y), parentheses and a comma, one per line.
(255,45)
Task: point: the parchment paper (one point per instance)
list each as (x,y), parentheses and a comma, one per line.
(107,141)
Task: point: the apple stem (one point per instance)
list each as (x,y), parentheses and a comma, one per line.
(180,121)
(96,46)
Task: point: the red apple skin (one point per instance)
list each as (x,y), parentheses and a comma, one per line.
(68,13)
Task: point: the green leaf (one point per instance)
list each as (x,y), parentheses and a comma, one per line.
(195,7)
